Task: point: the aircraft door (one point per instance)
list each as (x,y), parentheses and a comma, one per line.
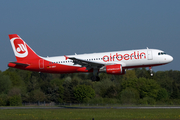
(150,56)
(41,64)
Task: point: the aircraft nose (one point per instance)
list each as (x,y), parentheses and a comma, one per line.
(170,58)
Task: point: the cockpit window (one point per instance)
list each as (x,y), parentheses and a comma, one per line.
(161,53)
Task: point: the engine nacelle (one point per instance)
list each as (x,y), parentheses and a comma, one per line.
(115,69)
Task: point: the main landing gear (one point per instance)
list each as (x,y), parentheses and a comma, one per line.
(95,76)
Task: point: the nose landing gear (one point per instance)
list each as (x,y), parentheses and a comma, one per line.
(151,72)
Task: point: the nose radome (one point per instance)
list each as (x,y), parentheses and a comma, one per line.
(170,58)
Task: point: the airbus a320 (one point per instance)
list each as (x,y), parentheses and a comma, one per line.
(114,63)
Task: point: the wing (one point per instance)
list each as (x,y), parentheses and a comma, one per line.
(84,63)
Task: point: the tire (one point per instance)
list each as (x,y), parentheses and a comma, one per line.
(95,78)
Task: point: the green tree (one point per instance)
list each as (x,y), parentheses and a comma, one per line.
(15,100)
(142,73)
(129,96)
(104,76)
(69,86)
(3,99)
(147,101)
(33,84)
(38,95)
(164,80)
(56,90)
(162,94)
(112,92)
(146,87)
(175,91)
(130,74)
(83,93)
(102,87)
(14,91)
(5,83)
(14,77)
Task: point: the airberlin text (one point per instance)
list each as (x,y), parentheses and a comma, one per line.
(119,57)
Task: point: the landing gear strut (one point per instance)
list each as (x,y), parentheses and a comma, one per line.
(95,76)
(150,68)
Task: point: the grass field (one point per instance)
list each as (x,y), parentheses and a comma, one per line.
(88,114)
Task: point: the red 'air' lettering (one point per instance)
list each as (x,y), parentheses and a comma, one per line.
(117,57)
(120,57)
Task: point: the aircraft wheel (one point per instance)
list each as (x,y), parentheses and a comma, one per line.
(95,78)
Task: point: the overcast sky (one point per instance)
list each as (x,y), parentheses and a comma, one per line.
(66,27)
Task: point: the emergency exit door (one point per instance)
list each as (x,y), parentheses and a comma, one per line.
(150,56)
(41,64)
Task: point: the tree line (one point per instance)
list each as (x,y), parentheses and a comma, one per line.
(135,87)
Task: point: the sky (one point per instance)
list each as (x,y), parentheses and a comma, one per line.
(66,27)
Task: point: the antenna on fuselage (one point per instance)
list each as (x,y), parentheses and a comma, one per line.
(147,48)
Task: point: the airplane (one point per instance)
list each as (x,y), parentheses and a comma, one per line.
(114,63)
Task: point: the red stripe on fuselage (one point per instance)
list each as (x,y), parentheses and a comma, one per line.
(60,68)
(49,68)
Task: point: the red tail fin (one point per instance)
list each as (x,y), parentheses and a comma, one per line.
(21,50)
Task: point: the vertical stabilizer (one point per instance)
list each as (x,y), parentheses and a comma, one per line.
(21,50)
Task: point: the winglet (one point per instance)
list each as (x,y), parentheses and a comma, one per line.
(66,57)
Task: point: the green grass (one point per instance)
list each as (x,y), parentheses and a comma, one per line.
(88,114)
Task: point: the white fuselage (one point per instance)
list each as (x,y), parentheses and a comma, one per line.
(128,59)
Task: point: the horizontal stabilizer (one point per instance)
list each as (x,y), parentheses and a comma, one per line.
(21,64)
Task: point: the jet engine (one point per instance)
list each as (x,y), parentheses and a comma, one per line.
(115,69)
